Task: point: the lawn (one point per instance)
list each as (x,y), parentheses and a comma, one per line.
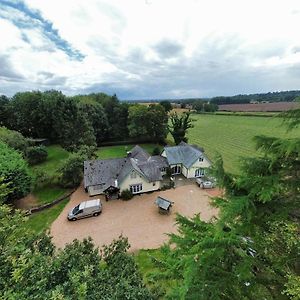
(42,220)
(48,193)
(232,136)
(121,150)
(56,157)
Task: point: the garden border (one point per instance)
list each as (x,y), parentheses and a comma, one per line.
(47,205)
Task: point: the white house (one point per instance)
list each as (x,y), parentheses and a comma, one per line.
(139,172)
(188,160)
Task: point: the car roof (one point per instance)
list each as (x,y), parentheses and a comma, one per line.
(90,203)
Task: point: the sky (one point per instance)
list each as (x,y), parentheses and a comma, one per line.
(150,49)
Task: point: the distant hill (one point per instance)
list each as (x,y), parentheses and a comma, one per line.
(283,96)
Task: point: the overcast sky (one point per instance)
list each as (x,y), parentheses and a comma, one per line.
(145,49)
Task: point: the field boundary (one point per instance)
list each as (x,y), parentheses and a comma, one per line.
(48,205)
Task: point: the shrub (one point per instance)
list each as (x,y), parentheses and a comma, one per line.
(156,151)
(14,139)
(36,155)
(72,171)
(14,172)
(42,179)
(126,195)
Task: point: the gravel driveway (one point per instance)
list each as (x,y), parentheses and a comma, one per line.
(138,219)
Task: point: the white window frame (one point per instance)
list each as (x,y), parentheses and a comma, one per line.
(177,167)
(136,188)
(199,172)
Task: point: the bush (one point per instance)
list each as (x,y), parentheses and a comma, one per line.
(156,151)
(36,155)
(42,179)
(126,195)
(14,172)
(14,139)
(72,171)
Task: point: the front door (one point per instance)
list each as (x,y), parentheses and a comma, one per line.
(176,170)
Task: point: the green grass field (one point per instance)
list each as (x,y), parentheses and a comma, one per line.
(56,157)
(232,136)
(40,221)
(121,150)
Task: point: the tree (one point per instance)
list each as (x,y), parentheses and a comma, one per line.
(252,251)
(137,121)
(72,170)
(166,104)
(73,126)
(14,172)
(25,113)
(78,271)
(14,140)
(179,126)
(4,102)
(156,120)
(97,118)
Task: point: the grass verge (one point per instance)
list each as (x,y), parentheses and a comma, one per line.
(40,221)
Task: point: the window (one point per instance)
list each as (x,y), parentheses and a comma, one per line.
(201,158)
(163,169)
(199,172)
(176,170)
(135,188)
(133,174)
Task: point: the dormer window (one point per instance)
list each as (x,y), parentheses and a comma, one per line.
(201,158)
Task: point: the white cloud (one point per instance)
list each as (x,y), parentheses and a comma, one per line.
(154,48)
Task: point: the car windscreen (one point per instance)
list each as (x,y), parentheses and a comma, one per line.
(75,210)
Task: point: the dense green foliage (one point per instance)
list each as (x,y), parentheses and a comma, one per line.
(14,140)
(36,155)
(32,269)
(252,251)
(232,136)
(126,195)
(148,122)
(166,104)
(72,170)
(179,126)
(14,172)
(202,106)
(80,120)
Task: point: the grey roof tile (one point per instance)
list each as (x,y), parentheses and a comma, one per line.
(183,154)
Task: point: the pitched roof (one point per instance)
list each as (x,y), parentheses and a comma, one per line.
(163,203)
(139,153)
(183,154)
(105,172)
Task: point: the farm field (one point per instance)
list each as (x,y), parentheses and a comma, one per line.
(232,136)
(260,107)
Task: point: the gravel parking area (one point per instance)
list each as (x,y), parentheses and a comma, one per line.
(138,219)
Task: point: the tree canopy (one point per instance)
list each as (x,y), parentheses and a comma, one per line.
(252,251)
(179,126)
(14,172)
(32,268)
